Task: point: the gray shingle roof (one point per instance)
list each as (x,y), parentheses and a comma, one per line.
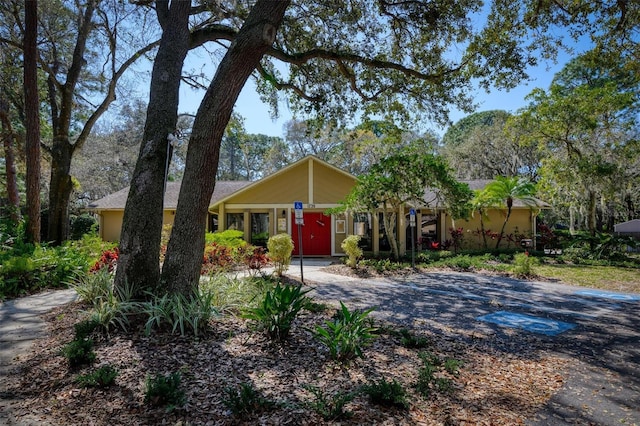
(118,200)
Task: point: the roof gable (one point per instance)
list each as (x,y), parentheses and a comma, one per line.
(309,180)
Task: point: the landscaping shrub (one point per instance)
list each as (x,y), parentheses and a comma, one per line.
(217,258)
(231,238)
(277,310)
(383,265)
(93,286)
(188,315)
(164,390)
(81,225)
(351,247)
(27,268)
(79,352)
(430,376)
(230,294)
(330,407)
(411,341)
(103,377)
(385,393)
(254,258)
(246,400)
(280,247)
(347,334)
(523,265)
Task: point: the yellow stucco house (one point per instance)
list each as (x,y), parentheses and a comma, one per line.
(266,207)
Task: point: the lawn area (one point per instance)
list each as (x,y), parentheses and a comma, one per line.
(603,277)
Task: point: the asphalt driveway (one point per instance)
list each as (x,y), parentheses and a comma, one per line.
(599,332)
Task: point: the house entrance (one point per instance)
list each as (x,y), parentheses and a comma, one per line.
(316,235)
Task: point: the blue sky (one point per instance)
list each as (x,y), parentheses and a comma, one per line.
(258,119)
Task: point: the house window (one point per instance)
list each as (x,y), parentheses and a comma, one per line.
(235,221)
(259,229)
(362,227)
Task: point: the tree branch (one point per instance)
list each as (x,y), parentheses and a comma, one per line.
(286,86)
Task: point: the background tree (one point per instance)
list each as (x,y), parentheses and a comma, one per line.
(585,125)
(505,191)
(83,55)
(478,147)
(10,173)
(32,120)
(106,161)
(245,156)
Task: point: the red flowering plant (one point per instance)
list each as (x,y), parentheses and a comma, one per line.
(108,259)
(457,235)
(216,258)
(254,258)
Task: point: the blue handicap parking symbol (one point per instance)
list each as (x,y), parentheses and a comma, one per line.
(529,323)
(609,295)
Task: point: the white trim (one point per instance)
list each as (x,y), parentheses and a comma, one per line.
(321,207)
(310,180)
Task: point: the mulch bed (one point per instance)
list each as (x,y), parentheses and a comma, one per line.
(492,387)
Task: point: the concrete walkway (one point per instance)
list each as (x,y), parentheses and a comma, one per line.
(599,332)
(20,326)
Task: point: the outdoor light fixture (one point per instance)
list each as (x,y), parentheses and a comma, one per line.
(284,213)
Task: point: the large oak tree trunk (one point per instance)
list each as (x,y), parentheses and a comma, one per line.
(32,120)
(138,264)
(181,270)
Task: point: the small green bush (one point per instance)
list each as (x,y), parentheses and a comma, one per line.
(280,247)
(411,341)
(524,265)
(79,352)
(81,225)
(113,309)
(84,328)
(351,247)
(246,400)
(164,390)
(276,312)
(428,381)
(384,265)
(330,407)
(103,377)
(347,334)
(231,238)
(389,394)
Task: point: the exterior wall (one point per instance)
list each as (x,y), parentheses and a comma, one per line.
(111,223)
(339,237)
(281,188)
(329,187)
(519,223)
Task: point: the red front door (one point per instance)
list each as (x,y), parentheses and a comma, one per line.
(316,235)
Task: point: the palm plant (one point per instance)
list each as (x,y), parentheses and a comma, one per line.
(480,203)
(506,190)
